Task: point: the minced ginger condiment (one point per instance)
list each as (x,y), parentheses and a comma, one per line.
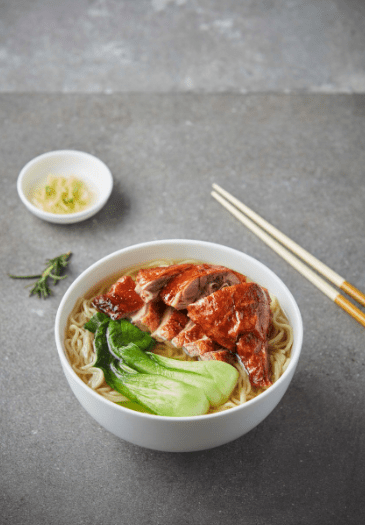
(62,195)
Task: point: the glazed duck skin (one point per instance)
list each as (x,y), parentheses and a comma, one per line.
(196,282)
(238,318)
(150,281)
(233,311)
(121,300)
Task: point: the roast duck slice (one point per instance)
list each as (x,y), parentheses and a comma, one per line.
(210,311)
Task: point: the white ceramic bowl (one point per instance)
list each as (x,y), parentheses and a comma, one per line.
(174,434)
(66,162)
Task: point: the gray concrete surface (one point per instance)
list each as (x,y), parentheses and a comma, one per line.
(263,97)
(296,159)
(182,45)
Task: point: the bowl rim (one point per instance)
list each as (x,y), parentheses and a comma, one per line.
(296,349)
(67,217)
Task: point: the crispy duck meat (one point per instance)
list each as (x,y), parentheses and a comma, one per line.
(253,353)
(190,333)
(230,312)
(221,355)
(150,281)
(121,300)
(172,322)
(196,282)
(238,318)
(193,340)
(201,346)
(149,317)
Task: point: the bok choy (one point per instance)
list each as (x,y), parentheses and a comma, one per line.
(163,386)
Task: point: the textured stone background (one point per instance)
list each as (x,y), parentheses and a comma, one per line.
(265,98)
(182,45)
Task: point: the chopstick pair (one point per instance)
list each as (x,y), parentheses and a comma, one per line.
(257,225)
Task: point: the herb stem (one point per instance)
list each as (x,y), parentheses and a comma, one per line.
(53,270)
(25,276)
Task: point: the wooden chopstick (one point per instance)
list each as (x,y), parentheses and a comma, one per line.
(319,266)
(302,268)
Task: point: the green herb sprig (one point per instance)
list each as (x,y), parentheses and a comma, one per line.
(53,271)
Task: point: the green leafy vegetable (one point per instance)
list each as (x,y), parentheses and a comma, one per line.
(159,396)
(162,385)
(53,270)
(96,321)
(123,332)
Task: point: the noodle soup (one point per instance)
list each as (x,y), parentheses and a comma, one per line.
(81,353)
